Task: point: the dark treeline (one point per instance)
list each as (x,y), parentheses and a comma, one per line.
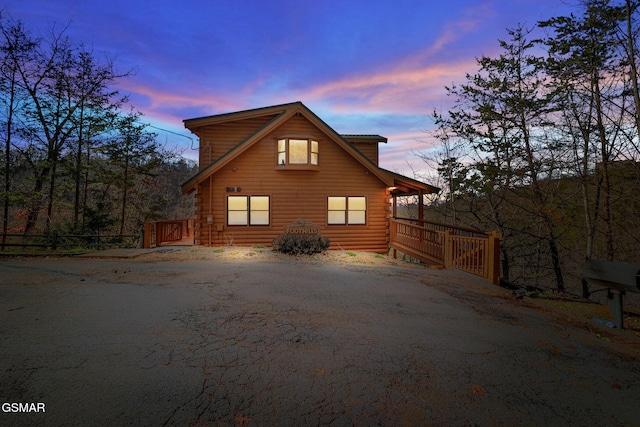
(76,158)
(542,144)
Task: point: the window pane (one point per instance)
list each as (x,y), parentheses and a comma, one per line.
(337,203)
(314,153)
(237,203)
(282,151)
(357,203)
(237,217)
(259,206)
(259,203)
(356,217)
(336,217)
(298,151)
(259,217)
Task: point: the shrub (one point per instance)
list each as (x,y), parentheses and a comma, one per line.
(300,244)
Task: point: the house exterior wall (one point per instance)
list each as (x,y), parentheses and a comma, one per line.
(369,149)
(215,141)
(293,194)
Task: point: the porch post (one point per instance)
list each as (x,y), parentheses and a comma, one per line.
(494,258)
(147,234)
(395,205)
(420,207)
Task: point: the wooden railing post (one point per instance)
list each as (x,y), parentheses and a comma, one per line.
(148,229)
(494,258)
(447,244)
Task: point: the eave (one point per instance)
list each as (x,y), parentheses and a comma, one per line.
(403,185)
(192,184)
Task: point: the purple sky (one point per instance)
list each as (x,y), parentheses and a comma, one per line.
(362,66)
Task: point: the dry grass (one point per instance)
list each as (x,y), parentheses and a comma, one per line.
(590,310)
(265,253)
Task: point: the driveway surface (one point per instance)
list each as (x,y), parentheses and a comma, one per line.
(160,341)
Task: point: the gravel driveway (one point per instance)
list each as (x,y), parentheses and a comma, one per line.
(163,339)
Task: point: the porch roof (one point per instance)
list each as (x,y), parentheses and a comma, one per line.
(405,186)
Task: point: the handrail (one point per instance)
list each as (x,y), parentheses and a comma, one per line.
(439,226)
(478,254)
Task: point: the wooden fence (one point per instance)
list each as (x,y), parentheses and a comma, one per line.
(466,249)
(54,241)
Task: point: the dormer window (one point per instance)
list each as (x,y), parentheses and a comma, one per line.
(297,151)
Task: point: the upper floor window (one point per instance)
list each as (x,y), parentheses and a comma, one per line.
(297,151)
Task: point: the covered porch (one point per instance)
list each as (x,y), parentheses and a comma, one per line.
(470,250)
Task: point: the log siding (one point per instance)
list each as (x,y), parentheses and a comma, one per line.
(239,156)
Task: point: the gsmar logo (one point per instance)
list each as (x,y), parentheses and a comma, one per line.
(22,407)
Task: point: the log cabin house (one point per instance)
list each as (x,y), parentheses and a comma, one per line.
(263,169)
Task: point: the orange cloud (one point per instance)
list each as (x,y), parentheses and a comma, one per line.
(409,85)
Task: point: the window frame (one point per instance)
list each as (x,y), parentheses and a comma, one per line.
(251,218)
(284,152)
(347,214)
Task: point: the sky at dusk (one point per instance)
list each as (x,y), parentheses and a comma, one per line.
(373,67)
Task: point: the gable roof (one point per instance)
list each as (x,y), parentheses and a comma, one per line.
(281,113)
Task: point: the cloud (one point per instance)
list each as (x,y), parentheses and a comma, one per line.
(411,84)
(394,99)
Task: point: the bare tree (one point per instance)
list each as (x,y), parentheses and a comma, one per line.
(16,48)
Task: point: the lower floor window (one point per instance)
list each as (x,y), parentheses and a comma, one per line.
(247,210)
(346,210)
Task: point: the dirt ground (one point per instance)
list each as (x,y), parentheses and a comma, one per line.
(246,336)
(572,306)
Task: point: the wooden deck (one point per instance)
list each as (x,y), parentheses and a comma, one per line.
(177,232)
(185,241)
(469,250)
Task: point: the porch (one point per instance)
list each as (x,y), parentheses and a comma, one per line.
(177,232)
(470,250)
(465,249)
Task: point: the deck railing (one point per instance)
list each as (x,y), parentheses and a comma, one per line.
(466,249)
(160,232)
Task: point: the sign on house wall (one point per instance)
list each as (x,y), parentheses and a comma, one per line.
(301,226)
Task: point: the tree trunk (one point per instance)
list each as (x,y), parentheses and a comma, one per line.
(541,208)
(36,203)
(124,194)
(85,191)
(78,169)
(52,186)
(606,185)
(7,166)
(633,72)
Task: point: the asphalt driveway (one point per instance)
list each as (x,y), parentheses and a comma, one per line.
(293,342)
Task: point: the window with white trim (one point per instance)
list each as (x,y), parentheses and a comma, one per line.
(247,210)
(343,210)
(297,151)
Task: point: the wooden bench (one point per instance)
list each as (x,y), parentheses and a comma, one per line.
(618,277)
